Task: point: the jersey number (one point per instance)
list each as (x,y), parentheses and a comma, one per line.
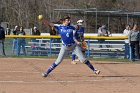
(67,34)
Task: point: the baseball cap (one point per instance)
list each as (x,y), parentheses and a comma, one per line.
(80,22)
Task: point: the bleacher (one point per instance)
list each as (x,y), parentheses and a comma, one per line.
(47,45)
(44,47)
(110,48)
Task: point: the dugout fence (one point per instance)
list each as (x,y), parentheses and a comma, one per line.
(50,45)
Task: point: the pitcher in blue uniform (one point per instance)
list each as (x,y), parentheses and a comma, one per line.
(69,43)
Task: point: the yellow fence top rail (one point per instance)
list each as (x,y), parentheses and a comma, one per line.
(54,36)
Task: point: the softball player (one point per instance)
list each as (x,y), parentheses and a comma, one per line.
(79,36)
(69,43)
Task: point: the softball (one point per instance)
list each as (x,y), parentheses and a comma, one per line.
(40,17)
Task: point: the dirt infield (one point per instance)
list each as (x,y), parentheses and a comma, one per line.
(23,75)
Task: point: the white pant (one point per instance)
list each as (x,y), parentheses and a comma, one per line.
(65,49)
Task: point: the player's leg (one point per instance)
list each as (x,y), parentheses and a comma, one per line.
(14,45)
(3,49)
(137,50)
(59,59)
(82,58)
(73,58)
(23,47)
(132,51)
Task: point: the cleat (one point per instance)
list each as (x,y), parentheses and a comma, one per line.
(44,75)
(97,72)
(73,62)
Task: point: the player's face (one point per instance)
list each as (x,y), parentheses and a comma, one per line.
(66,22)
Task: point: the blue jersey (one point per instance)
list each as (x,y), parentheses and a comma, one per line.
(67,34)
(79,35)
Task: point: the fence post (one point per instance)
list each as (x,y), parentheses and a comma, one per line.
(50,46)
(88,48)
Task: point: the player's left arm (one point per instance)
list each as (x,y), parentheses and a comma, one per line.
(74,38)
(82,37)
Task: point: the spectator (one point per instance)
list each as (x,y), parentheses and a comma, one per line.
(21,42)
(2,39)
(16,29)
(126,33)
(134,38)
(102,31)
(35,31)
(8,31)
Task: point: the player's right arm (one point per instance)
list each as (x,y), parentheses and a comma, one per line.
(46,22)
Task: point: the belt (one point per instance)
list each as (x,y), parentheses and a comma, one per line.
(68,45)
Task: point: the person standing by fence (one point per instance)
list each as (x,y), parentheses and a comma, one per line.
(35,32)
(103,31)
(126,33)
(16,29)
(2,39)
(134,38)
(21,42)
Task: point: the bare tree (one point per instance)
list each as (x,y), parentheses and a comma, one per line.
(25,12)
